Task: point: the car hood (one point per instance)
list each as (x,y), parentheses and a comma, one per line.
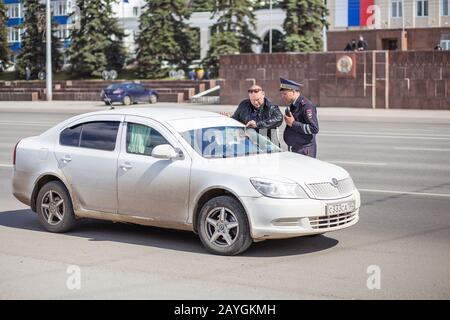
(282,166)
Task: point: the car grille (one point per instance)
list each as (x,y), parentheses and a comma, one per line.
(332,221)
(326,190)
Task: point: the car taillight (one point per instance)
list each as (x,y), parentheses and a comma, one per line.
(15,150)
(118,91)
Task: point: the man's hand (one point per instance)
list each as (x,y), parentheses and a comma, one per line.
(289,120)
(251,124)
(226,114)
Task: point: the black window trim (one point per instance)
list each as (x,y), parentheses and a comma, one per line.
(81,134)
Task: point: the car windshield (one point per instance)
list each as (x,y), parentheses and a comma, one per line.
(228,142)
(114,86)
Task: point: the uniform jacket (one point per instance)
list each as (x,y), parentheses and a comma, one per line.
(305,126)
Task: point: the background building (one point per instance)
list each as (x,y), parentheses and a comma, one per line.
(15,13)
(390,24)
(385,24)
(129,12)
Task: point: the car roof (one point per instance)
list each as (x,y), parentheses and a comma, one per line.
(162,114)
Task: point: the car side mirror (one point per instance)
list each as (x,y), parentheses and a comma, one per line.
(166,151)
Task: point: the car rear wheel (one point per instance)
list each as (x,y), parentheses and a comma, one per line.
(153,98)
(54,207)
(223,226)
(127,100)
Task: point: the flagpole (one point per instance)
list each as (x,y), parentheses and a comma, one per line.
(49,85)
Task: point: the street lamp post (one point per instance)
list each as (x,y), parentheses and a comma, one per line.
(270,27)
(49,52)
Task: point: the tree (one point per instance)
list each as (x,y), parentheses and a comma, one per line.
(4,46)
(164,37)
(221,43)
(190,39)
(233,31)
(97,42)
(303,25)
(33,50)
(116,52)
(201,5)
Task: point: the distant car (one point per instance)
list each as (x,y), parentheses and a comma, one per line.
(182,169)
(128,93)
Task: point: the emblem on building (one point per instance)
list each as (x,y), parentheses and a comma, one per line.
(344,64)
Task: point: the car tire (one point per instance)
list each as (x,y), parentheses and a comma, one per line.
(223,226)
(55,217)
(153,98)
(127,100)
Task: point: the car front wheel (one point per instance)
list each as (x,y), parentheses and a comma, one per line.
(223,226)
(54,207)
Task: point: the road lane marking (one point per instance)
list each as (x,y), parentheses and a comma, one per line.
(357,163)
(389,133)
(381,136)
(425,194)
(422,149)
(3,165)
(23,123)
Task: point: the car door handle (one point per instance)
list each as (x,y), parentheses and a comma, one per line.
(126,166)
(66,159)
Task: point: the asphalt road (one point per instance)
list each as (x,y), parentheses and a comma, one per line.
(400,161)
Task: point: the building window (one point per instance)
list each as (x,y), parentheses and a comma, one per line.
(422,8)
(445,4)
(13,35)
(62,32)
(397,8)
(59,8)
(135,11)
(13,10)
(445,42)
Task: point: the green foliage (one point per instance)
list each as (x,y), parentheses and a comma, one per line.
(303,25)
(233,32)
(164,38)
(4,46)
(33,50)
(221,43)
(201,5)
(97,44)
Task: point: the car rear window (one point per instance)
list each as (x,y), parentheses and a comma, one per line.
(114,86)
(99,135)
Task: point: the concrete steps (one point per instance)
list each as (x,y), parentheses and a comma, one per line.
(78,90)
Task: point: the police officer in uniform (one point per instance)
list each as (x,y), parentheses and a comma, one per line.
(259,113)
(301,119)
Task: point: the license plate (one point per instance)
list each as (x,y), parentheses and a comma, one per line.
(341,207)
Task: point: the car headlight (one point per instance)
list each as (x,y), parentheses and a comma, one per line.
(277,189)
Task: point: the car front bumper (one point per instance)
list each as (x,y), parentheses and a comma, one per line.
(286,218)
(112,98)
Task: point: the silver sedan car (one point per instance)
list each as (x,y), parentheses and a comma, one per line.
(182,169)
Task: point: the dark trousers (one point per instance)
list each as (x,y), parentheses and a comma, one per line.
(307,150)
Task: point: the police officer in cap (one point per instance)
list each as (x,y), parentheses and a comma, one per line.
(301,120)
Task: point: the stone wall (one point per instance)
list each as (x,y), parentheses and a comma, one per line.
(90,90)
(382,79)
